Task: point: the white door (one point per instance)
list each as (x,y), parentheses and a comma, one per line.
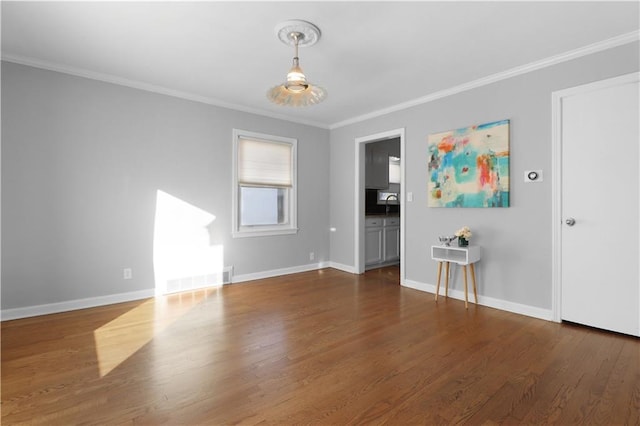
(600,196)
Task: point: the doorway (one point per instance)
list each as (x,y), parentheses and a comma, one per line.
(596,205)
(359,197)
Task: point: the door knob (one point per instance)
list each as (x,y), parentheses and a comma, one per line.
(570,221)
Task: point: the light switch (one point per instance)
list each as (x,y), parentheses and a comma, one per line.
(409,196)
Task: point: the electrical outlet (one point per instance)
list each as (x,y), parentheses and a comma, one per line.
(312,256)
(127,273)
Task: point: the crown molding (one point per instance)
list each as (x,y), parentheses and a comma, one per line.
(610,43)
(108,78)
(513,72)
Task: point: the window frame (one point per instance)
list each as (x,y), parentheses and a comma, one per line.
(239,231)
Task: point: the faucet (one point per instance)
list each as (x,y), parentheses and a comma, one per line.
(386,202)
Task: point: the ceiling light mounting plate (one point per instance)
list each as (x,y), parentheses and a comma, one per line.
(308,34)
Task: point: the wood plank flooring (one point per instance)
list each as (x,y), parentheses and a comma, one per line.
(321,347)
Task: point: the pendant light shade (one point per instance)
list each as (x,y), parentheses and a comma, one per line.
(296,90)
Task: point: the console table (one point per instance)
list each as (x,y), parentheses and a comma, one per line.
(462,256)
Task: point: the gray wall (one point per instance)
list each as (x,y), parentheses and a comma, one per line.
(82,162)
(517,241)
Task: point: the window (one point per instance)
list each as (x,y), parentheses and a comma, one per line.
(389,197)
(394,169)
(264,184)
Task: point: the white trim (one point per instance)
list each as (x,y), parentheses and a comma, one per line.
(504,305)
(359,197)
(556,197)
(341,267)
(92,302)
(556,210)
(263,231)
(72,305)
(134,84)
(278,272)
(598,85)
(504,75)
(610,43)
(403,198)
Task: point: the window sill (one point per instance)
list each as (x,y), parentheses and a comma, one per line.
(263,233)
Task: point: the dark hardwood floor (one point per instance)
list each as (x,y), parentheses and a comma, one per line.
(322,347)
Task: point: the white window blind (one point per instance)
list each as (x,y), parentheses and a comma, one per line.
(265,163)
(264,184)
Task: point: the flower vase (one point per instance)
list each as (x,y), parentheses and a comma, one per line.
(462,242)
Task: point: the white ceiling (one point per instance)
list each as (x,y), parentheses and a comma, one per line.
(371,57)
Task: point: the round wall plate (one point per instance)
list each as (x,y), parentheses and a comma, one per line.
(533,176)
(310,33)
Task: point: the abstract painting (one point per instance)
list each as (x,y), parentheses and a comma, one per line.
(469,167)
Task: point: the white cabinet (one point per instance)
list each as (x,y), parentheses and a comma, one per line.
(463,256)
(460,255)
(382,241)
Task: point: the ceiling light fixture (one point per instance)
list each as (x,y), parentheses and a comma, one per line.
(297,91)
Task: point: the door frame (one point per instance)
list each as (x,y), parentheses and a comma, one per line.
(556,154)
(359,196)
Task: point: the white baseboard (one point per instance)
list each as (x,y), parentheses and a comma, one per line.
(516,308)
(345,268)
(72,305)
(278,272)
(52,308)
(92,302)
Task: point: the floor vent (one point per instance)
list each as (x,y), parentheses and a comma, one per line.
(227,275)
(200,281)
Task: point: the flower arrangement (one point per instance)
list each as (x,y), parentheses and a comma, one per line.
(463,234)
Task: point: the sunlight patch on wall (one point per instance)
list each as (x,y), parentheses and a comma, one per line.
(184,256)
